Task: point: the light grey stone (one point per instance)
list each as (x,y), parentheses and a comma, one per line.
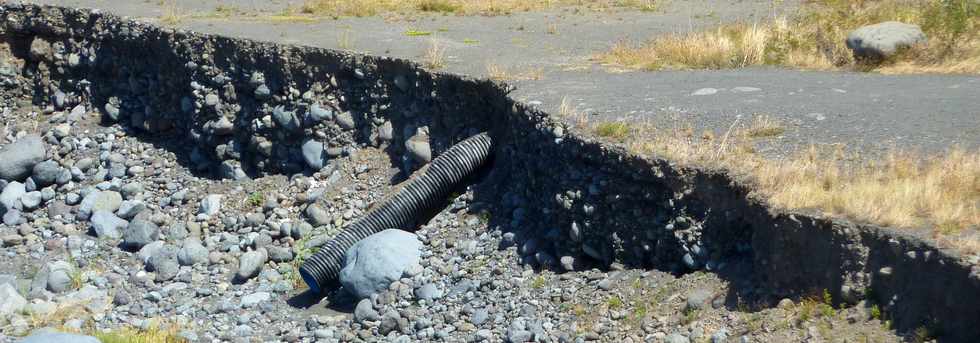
(106,225)
(99,201)
(883,40)
(139,233)
(374,262)
(17,159)
(46,173)
(313,154)
(192,252)
(58,337)
(10,197)
(59,276)
(210,205)
(11,302)
(250,264)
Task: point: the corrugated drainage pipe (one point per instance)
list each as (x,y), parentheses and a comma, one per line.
(421,194)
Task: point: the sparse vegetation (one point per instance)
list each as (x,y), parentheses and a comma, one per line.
(417,33)
(435,55)
(899,189)
(365,8)
(875,312)
(815,39)
(764,126)
(613,130)
(614,302)
(538,282)
(172,15)
(499,73)
(256,199)
(156,333)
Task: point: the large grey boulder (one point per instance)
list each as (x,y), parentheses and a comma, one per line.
(11,302)
(17,159)
(58,337)
(882,40)
(46,173)
(375,262)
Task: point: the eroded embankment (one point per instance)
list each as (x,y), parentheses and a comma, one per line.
(248,108)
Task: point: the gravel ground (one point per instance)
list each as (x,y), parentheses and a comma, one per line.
(169,245)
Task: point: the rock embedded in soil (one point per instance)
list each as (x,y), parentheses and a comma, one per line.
(882,40)
(99,201)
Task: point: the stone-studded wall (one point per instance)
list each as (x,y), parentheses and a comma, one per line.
(241,108)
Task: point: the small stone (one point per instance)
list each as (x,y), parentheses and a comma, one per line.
(99,201)
(210,205)
(10,197)
(313,154)
(139,233)
(699,299)
(418,148)
(480,316)
(250,264)
(317,216)
(130,208)
(705,91)
(364,311)
(286,119)
(319,114)
(59,276)
(46,173)
(346,121)
(31,200)
(280,254)
(163,262)
(428,292)
(106,225)
(254,299)
(192,252)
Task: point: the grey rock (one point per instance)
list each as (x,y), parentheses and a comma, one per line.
(699,299)
(883,39)
(480,316)
(31,200)
(46,173)
(676,338)
(254,299)
(10,197)
(286,119)
(519,336)
(11,302)
(250,264)
(106,225)
(364,311)
(148,251)
(720,336)
(139,233)
(58,337)
(163,262)
(313,154)
(262,92)
(192,252)
(222,126)
(13,217)
(130,208)
(418,148)
(99,201)
(374,262)
(428,292)
(280,254)
(211,100)
(319,114)
(389,322)
(59,276)
(317,216)
(17,159)
(111,112)
(210,205)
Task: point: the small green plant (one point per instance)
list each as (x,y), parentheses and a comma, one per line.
(76,275)
(875,312)
(538,282)
(614,130)
(690,315)
(417,33)
(256,199)
(470,41)
(615,302)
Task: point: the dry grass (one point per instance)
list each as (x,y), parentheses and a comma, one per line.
(763,125)
(366,8)
(172,15)
(435,55)
(815,39)
(900,189)
(157,332)
(497,72)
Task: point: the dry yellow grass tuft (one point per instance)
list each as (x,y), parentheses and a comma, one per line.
(815,39)
(435,55)
(763,125)
(902,189)
(497,72)
(158,332)
(172,15)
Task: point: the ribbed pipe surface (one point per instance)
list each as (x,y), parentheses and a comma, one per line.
(420,195)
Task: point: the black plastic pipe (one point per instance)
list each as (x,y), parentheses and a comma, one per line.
(400,211)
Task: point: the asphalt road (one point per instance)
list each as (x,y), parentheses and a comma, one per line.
(862,111)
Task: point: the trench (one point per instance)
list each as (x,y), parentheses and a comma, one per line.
(572,194)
